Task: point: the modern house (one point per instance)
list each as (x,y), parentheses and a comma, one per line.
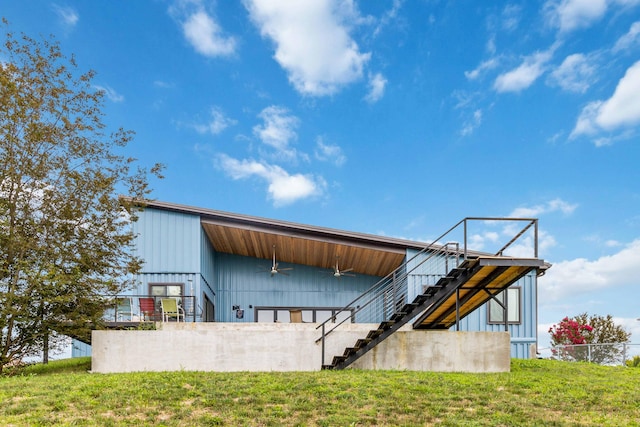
(239,271)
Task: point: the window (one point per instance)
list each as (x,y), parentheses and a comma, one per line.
(496,311)
(165,289)
(309,315)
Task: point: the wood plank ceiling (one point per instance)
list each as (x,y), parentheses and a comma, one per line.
(304,246)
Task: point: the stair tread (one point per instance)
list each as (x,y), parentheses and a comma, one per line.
(362,342)
(374,334)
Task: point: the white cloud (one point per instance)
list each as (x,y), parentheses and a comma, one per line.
(329,153)
(163,84)
(218,123)
(377,83)
(201,30)
(478,241)
(568,15)
(110,93)
(581,276)
(472,124)
(491,44)
(622,109)
(575,74)
(487,65)
(631,38)
(67,15)
(511,15)
(524,247)
(554,205)
(278,130)
(282,187)
(524,75)
(312,42)
(388,16)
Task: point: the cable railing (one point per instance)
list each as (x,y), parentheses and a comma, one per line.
(389,295)
(126,309)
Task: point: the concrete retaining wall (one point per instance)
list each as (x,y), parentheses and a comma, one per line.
(227,347)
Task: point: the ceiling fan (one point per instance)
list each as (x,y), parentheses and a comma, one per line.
(274,266)
(337,273)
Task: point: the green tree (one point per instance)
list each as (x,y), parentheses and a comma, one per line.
(65,235)
(571,339)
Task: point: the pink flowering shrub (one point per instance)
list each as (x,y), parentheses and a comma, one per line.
(593,338)
(569,332)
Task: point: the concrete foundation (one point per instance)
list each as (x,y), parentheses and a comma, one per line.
(227,347)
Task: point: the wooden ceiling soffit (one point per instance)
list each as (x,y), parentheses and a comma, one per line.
(306,248)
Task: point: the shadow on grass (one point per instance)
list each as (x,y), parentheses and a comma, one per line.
(65,366)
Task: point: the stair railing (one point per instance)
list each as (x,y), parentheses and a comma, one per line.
(387,296)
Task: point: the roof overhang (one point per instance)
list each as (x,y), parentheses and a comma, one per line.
(297,243)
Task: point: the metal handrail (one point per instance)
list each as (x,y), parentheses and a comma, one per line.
(136,314)
(400,275)
(389,276)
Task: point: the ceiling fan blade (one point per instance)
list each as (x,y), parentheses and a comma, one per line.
(346,270)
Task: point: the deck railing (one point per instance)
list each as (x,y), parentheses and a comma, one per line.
(124,309)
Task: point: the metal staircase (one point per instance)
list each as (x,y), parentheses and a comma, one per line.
(461,282)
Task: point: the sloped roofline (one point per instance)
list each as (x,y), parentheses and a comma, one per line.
(242,220)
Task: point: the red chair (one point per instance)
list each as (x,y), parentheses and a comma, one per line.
(148,308)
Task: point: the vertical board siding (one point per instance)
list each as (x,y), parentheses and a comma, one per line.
(207,259)
(523,335)
(425,270)
(207,268)
(246,282)
(80,349)
(168,241)
(175,248)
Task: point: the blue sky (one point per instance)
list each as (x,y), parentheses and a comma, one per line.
(397,118)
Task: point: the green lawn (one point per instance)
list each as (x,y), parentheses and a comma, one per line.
(535,392)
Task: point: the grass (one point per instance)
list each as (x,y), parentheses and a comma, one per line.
(535,392)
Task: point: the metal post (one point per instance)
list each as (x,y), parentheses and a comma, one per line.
(506,309)
(193,298)
(322,344)
(446,259)
(395,296)
(458,309)
(465,239)
(535,239)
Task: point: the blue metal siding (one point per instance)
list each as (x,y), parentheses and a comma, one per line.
(207,285)
(425,272)
(243,281)
(175,249)
(524,334)
(168,241)
(80,349)
(207,259)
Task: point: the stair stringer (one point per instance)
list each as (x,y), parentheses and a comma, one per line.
(433,296)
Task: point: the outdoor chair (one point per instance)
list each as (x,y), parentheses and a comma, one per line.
(147,308)
(124,310)
(296,316)
(171,310)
